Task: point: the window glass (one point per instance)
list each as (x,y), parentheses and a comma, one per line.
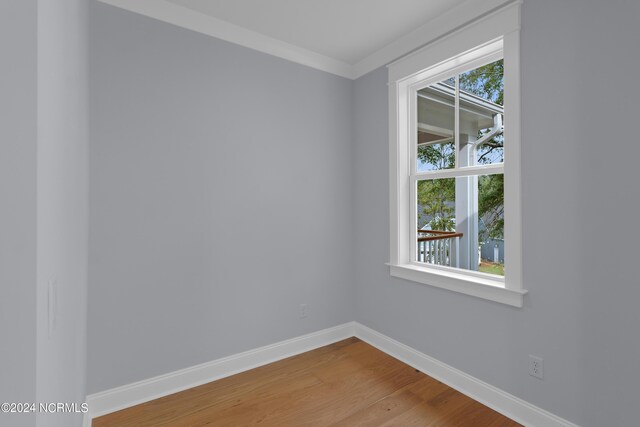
(436,124)
(460,222)
(482,114)
(491,224)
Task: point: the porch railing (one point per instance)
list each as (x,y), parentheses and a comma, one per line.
(439,247)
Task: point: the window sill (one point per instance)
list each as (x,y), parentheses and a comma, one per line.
(477,287)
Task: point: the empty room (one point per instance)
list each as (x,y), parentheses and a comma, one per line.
(319,213)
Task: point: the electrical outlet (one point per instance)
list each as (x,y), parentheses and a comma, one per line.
(303,311)
(536,367)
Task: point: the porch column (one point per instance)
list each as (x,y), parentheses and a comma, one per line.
(467,207)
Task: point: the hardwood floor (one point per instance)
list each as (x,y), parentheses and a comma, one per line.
(349,383)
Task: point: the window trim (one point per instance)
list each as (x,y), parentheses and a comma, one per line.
(497,33)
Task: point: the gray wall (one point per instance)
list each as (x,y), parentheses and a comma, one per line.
(62,213)
(43,188)
(579,113)
(195,139)
(18,116)
(220,199)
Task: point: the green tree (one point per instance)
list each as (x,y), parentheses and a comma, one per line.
(491,206)
(437,156)
(436,197)
(487,82)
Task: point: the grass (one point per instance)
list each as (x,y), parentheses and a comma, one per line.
(491,268)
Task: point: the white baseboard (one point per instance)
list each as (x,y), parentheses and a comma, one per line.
(133,394)
(496,399)
(143,391)
(86,419)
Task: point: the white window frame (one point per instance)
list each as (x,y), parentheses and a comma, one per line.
(486,39)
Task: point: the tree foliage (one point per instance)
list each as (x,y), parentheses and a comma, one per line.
(437,156)
(437,199)
(487,82)
(491,205)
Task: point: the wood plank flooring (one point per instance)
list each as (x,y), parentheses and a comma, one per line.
(349,383)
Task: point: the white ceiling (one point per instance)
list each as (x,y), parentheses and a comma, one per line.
(346,30)
(344,37)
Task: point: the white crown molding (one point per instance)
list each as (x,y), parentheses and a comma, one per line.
(143,391)
(429,32)
(181,16)
(436,28)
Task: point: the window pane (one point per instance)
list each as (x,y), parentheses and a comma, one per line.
(491,223)
(486,82)
(492,150)
(461,223)
(436,124)
(436,204)
(482,114)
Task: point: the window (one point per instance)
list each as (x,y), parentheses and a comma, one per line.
(455,161)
